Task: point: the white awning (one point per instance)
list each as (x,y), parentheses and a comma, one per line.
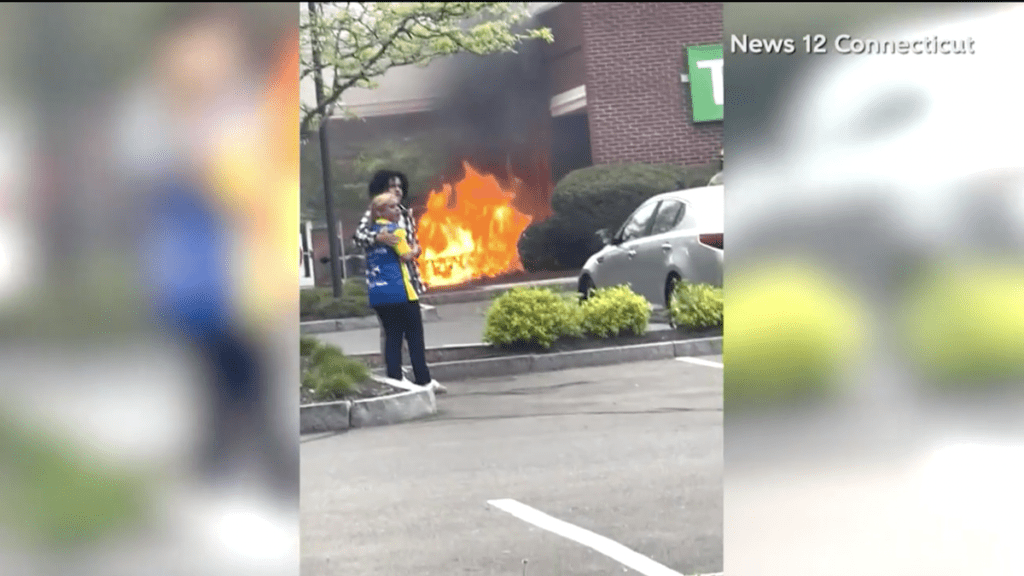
(569,101)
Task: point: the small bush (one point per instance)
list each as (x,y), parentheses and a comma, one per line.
(327,373)
(320,304)
(696,306)
(310,299)
(531,316)
(964,325)
(57,497)
(793,332)
(609,312)
(307,344)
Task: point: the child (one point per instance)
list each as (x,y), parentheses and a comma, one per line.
(384,182)
(393,296)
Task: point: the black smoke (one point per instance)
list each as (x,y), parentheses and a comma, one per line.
(496,115)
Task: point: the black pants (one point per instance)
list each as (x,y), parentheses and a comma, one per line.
(404,322)
(242,423)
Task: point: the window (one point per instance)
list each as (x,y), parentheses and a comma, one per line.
(639,223)
(669,214)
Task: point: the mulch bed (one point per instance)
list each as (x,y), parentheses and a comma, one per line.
(366,390)
(578,344)
(564,345)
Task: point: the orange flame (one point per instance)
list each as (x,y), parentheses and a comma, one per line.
(475,238)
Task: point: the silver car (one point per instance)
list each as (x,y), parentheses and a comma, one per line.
(671,236)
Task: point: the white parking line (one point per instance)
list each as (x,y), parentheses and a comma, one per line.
(700,362)
(596,542)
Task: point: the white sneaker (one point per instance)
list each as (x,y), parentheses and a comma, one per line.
(402,384)
(437,387)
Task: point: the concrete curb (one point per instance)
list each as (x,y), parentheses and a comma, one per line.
(530,363)
(481,351)
(394,409)
(325,417)
(382,411)
(430,314)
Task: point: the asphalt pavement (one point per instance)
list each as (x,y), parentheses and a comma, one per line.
(631,453)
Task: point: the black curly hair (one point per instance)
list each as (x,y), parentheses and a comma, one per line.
(382,180)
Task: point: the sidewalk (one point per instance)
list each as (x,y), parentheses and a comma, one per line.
(460,324)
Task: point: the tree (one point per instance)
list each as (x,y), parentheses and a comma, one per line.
(360,41)
(347,44)
(418,155)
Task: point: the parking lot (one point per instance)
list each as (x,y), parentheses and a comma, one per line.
(608,470)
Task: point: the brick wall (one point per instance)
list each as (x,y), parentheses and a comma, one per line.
(639,110)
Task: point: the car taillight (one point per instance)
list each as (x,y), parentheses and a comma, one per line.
(714,240)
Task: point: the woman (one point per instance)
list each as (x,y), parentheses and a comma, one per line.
(368,237)
(390,182)
(392,293)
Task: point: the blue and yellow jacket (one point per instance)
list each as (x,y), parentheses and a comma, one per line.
(387,279)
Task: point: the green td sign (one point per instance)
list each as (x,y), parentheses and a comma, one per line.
(706,82)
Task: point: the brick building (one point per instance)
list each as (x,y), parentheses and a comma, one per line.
(620,66)
(618,79)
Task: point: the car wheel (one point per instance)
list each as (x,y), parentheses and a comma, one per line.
(670,288)
(586,285)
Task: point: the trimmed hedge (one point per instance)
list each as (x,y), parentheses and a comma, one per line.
(614,311)
(320,303)
(793,332)
(540,317)
(696,306)
(597,197)
(964,324)
(532,316)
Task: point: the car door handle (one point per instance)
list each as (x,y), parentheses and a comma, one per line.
(600,259)
(666,247)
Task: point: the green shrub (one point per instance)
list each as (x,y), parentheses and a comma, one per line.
(307,344)
(320,303)
(965,324)
(793,332)
(557,243)
(597,197)
(613,311)
(310,300)
(531,316)
(696,306)
(327,373)
(57,495)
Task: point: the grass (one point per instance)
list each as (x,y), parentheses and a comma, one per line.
(55,496)
(327,374)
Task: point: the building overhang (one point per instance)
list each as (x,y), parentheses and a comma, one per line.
(389,108)
(572,100)
(536,8)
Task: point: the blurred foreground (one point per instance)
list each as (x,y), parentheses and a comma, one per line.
(115,455)
(874,351)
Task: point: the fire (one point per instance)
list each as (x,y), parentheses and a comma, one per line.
(475,238)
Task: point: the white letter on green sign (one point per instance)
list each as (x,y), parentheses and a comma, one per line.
(717,83)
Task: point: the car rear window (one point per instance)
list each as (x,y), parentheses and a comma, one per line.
(706,210)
